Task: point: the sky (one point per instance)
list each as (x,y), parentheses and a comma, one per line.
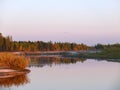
(80,21)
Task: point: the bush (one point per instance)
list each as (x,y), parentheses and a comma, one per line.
(14,61)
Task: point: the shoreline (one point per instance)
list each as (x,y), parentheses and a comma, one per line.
(51,52)
(88,54)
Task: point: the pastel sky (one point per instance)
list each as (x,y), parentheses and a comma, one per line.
(80,21)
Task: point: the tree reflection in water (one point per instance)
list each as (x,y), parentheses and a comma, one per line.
(14,81)
(49,61)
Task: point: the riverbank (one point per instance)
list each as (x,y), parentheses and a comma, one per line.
(53,52)
(111,53)
(39,53)
(108,53)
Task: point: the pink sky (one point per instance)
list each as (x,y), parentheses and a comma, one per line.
(79,21)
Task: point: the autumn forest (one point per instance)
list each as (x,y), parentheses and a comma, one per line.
(7,44)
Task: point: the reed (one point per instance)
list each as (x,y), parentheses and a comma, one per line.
(14,61)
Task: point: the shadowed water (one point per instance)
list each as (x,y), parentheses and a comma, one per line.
(58,73)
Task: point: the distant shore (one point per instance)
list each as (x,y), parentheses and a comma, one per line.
(53,52)
(37,52)
(94,54)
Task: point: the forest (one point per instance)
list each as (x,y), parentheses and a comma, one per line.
(7,44)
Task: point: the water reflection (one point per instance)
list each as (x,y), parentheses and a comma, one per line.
(67,74)
(14,81)
(49,61)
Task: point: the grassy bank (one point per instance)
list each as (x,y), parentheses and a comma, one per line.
(13,61)
(108,53)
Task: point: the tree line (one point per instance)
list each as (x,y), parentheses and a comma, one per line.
(6,44)
(101,46)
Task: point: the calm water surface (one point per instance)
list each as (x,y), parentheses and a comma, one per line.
(54,73)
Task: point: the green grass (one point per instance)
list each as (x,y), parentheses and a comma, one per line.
(14,61)
(108,53)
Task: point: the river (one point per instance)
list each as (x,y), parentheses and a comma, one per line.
(56,73)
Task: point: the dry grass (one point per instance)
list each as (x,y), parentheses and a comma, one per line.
(14,61)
